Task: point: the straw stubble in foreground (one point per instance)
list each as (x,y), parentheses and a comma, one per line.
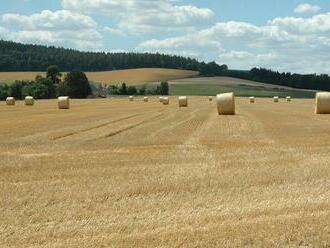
(117,173)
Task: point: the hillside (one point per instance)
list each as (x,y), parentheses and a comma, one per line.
(21,57)
(131,76)
(204,86)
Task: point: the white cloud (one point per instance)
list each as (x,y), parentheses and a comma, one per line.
(60,28)
(306,8)
(285,44)
(144,16)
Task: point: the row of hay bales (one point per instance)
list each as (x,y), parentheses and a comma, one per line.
(225,102)
(276,99)
(63,101)
(29,101)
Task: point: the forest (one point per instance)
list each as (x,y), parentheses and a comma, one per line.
(20,57)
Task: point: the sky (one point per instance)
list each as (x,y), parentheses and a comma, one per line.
(283,35)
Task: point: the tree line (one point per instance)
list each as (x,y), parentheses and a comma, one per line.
(75,84)
(21,57)
(307,81)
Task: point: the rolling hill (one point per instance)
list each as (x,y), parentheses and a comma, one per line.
(131,76)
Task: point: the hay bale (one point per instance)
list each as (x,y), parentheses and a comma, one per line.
(276,99)
(161,99)
(226,104)
(288,98)
(131,98)
(210,98)
(322,103)
(166,100)
(146,99)
(63,102)
(10,101)
(183,101)
(252,99)
(29,101)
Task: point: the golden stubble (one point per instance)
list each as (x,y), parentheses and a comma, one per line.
(134,174)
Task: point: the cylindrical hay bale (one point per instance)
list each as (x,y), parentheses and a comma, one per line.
(63,102)
(288,98)
(276,98)
(29,101)
(252,99)
(146,99)
(166,100)
(226,104)
(210,98)
(183,101)
(131,98)
(161,99)
(10,101)
(322,103)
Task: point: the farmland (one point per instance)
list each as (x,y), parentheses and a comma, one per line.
(132,76)
(133,174)
(211,85)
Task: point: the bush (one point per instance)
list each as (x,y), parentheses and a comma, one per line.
(164,88)
(77,85)
(4,92)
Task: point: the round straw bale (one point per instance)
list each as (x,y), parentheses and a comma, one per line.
(63,102)
(288,98)
(322,103)
(161,99)
(252,99)
(146,99)
(131,98)
(226,104)
(10,101)
(276,98)
(166,100)
(210,98)
(183,101)
(29,101)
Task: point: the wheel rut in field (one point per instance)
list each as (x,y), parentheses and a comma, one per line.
(95,127)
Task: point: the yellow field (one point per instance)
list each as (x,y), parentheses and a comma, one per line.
(114,173)
(132,77)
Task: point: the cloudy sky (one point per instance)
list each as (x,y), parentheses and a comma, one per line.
(285,35)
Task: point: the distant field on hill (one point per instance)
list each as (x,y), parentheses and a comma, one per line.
(214,85)
(131,77)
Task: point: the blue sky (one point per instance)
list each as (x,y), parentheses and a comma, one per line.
(285,35)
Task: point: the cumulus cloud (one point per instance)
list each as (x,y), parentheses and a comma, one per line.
(144,16)
(285,44)
(306,8)
(61,28)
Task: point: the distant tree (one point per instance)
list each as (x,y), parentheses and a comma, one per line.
(77,84)
(15,89)
(164,88)
(143,90)
(4,92)
(41,88)
(123,89)
(53,72)
(131,90)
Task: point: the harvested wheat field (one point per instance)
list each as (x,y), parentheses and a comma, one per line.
(131,76)
(114,173)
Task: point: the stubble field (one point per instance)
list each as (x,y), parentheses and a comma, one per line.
(114,173)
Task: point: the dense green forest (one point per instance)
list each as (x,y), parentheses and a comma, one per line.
(308,81)
(20,57)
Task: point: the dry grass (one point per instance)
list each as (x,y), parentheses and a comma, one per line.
(132,77)
(110,173)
